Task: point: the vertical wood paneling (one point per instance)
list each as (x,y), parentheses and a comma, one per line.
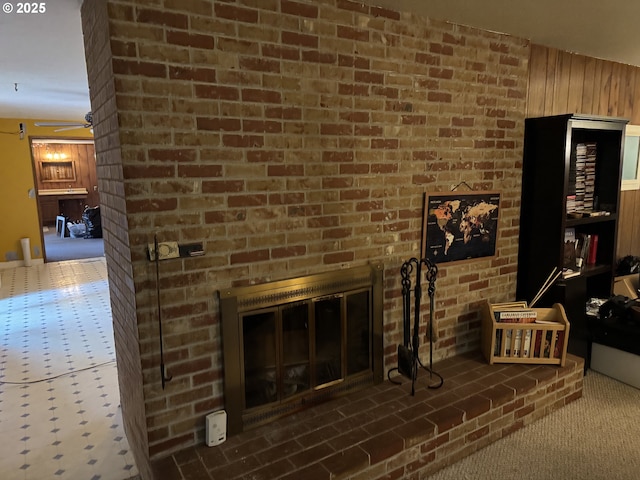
(629,228)
(561,82)
(622,91)
(576,84)
(92,186)
(597,88)
(630,92)
(625,215)
(605,89)
(561,90)
(84,165)
(552,58)
(612,111)
(537,81)
(635,107)
(589,82)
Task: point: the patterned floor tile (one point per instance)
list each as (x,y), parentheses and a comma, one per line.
(60,412)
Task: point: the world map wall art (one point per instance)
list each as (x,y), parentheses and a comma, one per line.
(460,225)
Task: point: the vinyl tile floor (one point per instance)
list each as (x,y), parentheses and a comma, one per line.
(60,415)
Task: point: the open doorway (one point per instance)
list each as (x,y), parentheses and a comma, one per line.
(66,182)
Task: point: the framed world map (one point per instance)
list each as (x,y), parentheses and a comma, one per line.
(460,225)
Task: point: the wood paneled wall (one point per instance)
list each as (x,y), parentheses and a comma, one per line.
(78,169)
(563,82)
(84,164)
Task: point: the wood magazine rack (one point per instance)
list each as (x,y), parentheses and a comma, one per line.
(494,337)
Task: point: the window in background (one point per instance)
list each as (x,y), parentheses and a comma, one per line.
(631,159)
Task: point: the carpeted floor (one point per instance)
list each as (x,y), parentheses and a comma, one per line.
(594,438)
(60,249)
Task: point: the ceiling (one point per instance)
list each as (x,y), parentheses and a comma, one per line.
(43,52)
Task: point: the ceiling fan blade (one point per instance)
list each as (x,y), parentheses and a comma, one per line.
(59,124)
(71,125)
(75,127)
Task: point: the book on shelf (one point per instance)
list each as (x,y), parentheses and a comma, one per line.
(586,249)
(593,250)
(545,351)
(569,257)
(518,342)
(547,322)
(507,305)
(581,187)
(516,315)
(582,249)
(496,350)
(588,213)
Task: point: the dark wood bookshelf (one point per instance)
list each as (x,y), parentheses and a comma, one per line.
(550,147)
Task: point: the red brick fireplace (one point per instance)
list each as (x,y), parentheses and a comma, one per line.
(289,138)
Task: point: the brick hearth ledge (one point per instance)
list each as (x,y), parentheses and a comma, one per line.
(385,433)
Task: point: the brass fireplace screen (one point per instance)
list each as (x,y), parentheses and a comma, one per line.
(292,343)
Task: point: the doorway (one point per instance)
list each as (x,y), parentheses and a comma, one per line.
(65,177)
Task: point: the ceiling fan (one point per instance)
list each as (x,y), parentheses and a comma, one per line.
(88,123)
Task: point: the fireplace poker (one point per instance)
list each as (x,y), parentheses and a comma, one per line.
(163,372)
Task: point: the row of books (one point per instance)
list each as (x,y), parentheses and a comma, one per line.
(521,348)
(580,250)
(588,213)
(521,339)
(582,176)
(514,315)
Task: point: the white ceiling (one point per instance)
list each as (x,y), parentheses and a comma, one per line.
(43,52)
(607,29)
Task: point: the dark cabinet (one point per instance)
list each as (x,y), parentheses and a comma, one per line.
(563,199)
(49,209)
(67,205)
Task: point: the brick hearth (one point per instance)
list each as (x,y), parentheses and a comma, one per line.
(383,432)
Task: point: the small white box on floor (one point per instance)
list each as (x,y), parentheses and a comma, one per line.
(614,363)
(216,428)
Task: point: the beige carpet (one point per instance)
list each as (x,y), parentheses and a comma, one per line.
(595,437)
(61,249)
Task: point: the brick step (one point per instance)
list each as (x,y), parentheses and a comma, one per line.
(384,432)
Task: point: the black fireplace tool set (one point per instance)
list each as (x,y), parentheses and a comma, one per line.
(408,358)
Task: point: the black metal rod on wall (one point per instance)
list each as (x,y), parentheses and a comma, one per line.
(163,372)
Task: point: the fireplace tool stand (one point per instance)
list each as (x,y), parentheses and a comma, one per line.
(408,358)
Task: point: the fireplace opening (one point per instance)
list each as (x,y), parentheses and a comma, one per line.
(290,344)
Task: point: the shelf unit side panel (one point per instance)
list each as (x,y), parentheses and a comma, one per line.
(543,189)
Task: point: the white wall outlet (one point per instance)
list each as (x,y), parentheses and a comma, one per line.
(216,428)
(165,250)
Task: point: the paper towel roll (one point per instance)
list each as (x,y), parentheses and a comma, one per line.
(26,251)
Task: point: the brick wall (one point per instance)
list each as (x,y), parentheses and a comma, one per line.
(114,225)
(292,137)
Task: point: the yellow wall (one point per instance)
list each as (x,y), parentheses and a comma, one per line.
(19,212)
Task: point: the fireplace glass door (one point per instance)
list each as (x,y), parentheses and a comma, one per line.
(291,344)
(328,340)
(276,353)
(297,347)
